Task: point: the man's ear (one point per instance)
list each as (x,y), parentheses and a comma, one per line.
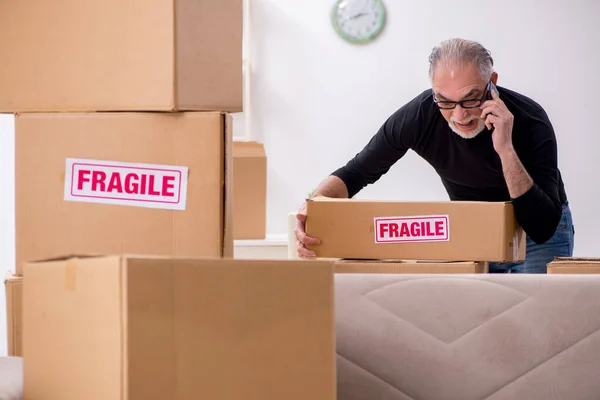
(494,78)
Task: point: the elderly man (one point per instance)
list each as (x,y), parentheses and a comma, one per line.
(486,144)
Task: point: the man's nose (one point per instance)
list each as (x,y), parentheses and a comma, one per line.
(459,113)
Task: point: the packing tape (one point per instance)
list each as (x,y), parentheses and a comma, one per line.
(70,274)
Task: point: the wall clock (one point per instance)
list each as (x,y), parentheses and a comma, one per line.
(358,21)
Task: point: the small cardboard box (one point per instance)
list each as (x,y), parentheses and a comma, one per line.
(14,314)
(137,327)
(106,183)
(250,190)
(410,267)
(574,265)
(115,55)
(430,231)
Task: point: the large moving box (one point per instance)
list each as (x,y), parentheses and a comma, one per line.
(121,327)
(439,231)
(250,193)
(105,183)
(14,314)
(115,55)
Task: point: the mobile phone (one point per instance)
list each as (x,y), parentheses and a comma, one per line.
(494,88)
(489,96)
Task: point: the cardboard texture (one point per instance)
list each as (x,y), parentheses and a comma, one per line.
(429,231)
(126,327)
(409,267)
(574,265)
(47,225)
(250,193)
(14,314)
(114,55)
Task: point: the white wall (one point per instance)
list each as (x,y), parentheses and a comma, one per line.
(317,100)
(7,214)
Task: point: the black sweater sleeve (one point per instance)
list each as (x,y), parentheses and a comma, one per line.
(391,142)
(539,210)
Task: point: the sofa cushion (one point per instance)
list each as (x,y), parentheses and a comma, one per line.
(466,337)
(11,378)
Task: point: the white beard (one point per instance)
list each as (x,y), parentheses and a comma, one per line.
(471,134)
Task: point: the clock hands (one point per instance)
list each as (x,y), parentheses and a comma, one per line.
(362,14)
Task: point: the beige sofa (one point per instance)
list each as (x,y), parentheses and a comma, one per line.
(468,337)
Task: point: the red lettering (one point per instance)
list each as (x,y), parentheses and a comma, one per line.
(168,184)
(414,229)
(404,230)
(131,187)
(439,228)
(427,229)
(143,186)
(383,229)
(115,183)
(393,230)
(82,178)
(151,190)
(98,178)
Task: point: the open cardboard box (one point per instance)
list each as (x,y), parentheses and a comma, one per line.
(152,327)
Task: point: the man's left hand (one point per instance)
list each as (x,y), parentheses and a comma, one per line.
(498,117)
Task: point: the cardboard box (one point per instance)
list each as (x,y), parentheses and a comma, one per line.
(126,327)
(105,183)
(14,314)
(409,267)
(250,193)
(574,265)
(114,55)
(429,231)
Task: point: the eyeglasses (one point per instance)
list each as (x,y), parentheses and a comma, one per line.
(470,103)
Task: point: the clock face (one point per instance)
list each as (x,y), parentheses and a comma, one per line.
(358,21)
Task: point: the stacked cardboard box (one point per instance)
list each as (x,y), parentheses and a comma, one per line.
(14,313)
(574,265)
(250,194)
(122,125)
(383,236)
(124,146)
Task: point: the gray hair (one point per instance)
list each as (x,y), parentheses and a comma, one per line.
(460,52)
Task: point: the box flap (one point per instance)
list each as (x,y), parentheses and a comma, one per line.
(248,149)
(66,257)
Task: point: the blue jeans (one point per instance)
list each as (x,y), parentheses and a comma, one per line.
(539,255)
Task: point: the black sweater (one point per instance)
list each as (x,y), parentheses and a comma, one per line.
(470,169)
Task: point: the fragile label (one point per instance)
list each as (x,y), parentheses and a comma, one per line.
(123,183)
(428,228)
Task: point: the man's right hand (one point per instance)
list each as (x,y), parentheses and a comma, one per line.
(301,238)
